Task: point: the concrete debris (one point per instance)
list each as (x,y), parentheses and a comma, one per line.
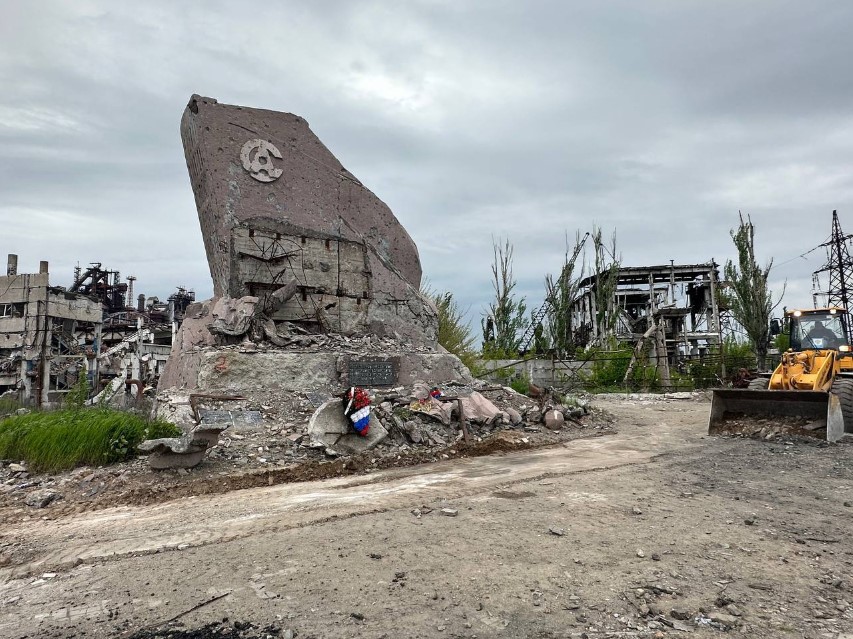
(554,420)
(281,295)
(480,410)
(330,428)
(442,411)
(182,452)
(231,316)
(41,498)
(448,512)
(17,468)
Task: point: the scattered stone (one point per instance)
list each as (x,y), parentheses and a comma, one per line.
(41,498)
(514,416)
(449,512)
(554,420)
(723,618)
(734,610)
(749,521)
(636,510)
(848,504)
(17,468)
(640,554)
(357,615)
(655,557)
(680,613)
(559,532)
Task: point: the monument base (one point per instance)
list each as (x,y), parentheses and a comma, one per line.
(236,370)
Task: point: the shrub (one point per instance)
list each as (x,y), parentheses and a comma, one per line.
(521,384)
(79,393)
(454,334)
(62,439)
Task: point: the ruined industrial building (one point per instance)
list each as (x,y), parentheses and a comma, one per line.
(51,334)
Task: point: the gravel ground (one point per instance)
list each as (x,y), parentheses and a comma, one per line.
(652,531)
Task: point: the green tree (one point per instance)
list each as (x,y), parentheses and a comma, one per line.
(506,320)
(748,294)
(560,293)
(454,333)
(606,268)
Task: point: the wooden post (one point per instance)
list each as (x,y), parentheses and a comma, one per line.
(462,421)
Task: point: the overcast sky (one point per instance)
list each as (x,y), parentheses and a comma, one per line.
(471,120)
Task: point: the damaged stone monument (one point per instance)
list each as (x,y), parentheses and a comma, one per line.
(316,282)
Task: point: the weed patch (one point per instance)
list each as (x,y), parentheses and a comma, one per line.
(59,440)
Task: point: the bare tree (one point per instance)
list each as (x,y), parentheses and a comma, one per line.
(506,321)
(748,295)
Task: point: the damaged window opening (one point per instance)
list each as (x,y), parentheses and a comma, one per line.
(12,310)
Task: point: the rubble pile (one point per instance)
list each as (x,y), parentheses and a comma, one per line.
(267,438)
(271,428)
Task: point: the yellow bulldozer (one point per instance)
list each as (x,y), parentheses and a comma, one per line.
(809,393)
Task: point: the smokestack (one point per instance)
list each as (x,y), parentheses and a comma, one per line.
(12,264)
(43,266)
(140,303)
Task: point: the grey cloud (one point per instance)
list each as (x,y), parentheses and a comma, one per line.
(471,120)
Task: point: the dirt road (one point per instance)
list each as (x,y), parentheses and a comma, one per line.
(656,530)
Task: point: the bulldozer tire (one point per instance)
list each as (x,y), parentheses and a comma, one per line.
(759,383)
(843,388)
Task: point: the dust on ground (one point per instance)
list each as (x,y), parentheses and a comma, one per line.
(658,530)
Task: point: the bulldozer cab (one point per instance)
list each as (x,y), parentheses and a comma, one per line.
(818,329)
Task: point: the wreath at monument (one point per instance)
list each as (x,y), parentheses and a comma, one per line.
(358,409)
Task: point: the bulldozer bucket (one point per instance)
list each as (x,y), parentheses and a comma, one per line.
(747,412)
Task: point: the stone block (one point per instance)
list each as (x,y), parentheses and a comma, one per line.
(480,410)
(554,420)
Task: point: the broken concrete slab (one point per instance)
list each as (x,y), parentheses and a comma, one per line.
(182,452)
(442,411)
(174,452)
(233,316)
(480,410)
(329,427)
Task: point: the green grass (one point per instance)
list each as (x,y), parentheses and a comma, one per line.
(8,406)
(62,439)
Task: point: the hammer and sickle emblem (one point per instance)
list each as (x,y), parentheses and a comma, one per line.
(257,158)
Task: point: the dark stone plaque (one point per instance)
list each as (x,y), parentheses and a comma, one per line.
(372,373)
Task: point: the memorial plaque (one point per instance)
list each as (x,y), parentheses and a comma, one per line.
(372,373)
